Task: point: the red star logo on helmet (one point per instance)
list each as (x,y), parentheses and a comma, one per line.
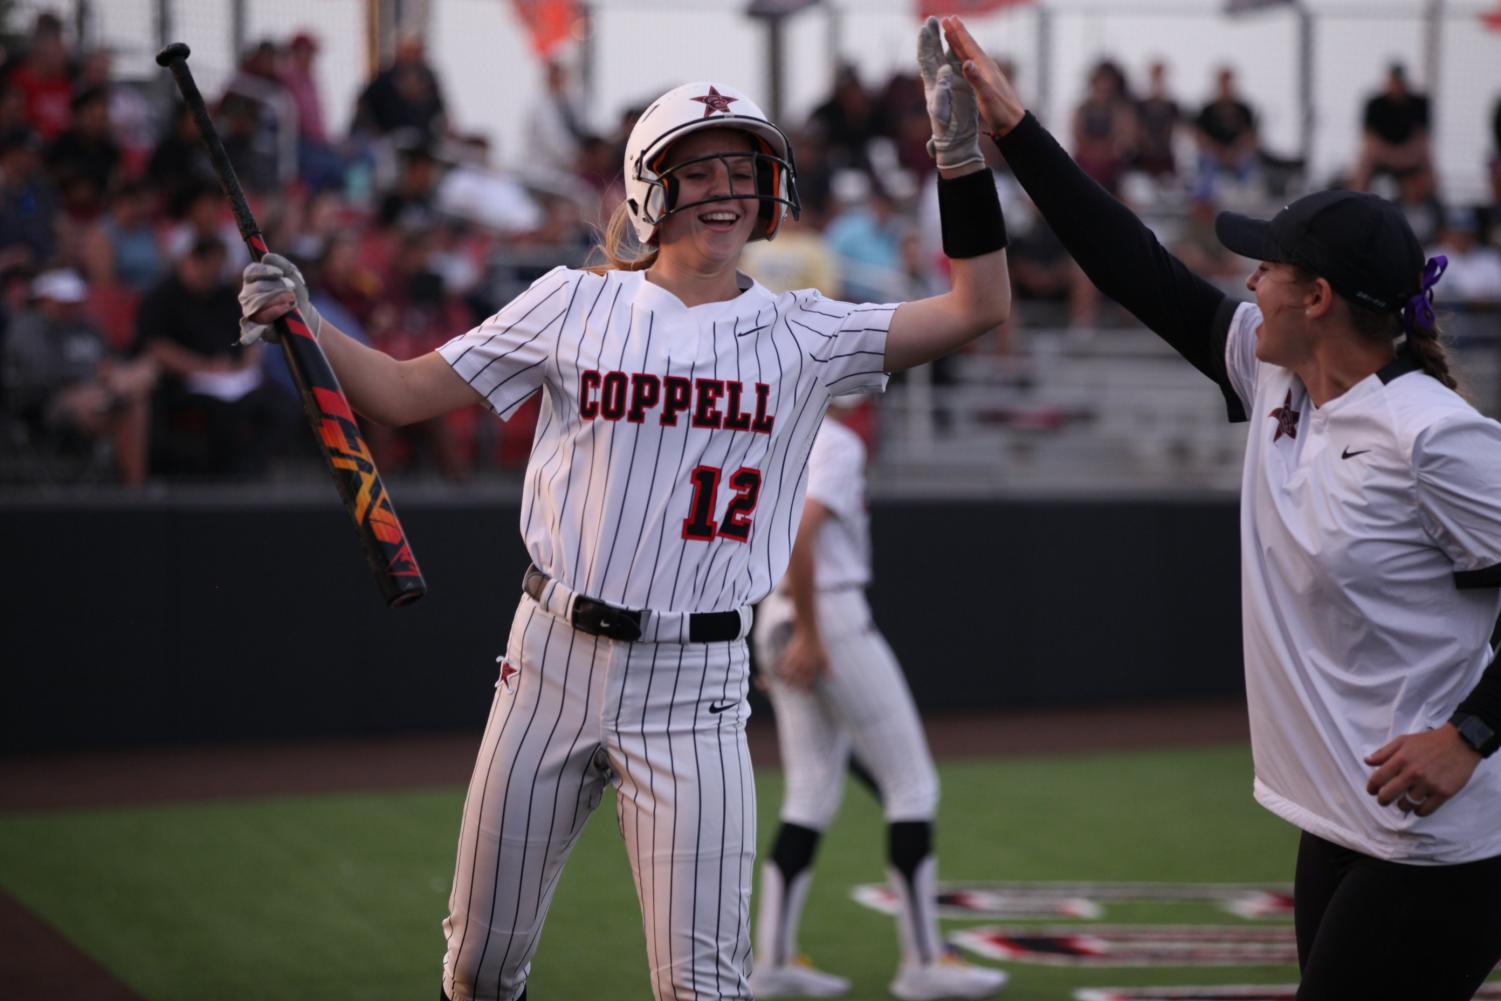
(715,101)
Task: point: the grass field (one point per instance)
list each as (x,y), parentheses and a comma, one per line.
(341,896)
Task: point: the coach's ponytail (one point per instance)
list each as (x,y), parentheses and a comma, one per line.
(619,247)
(1421,325)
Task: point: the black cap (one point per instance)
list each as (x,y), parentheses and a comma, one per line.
(1361,244)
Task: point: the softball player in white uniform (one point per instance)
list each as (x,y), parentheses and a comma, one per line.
(1370,560)
(680,401)
(837,689)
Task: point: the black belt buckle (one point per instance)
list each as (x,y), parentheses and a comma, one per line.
(606,620)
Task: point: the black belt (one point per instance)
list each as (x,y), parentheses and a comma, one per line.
(600,619)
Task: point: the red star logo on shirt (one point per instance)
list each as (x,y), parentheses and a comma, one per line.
(507,672)
(1287,418)
(715,101)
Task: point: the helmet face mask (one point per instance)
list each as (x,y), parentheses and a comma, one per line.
(652,188)
(763,186)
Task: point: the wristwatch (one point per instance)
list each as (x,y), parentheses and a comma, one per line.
(1477,733)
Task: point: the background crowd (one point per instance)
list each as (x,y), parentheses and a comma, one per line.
(119,261)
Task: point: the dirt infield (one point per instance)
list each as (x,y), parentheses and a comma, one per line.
(38,958)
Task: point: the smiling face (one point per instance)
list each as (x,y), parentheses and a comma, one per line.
(719,229)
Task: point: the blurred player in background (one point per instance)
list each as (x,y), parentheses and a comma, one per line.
(680,402)
(1370,558)
(837,689)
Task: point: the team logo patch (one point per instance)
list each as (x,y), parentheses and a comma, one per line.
(1032,901)
(1287,418)
(1248,992)
(508,672)
(715,101)
(1133,945)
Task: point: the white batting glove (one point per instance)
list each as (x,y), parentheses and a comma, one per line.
(950,100)
(266,283)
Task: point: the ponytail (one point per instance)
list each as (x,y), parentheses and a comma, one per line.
(1426,346)
(619,247)
(1421,324)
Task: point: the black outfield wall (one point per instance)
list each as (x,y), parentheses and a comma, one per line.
(204,620)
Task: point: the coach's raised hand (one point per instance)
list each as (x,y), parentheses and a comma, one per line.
(999,106)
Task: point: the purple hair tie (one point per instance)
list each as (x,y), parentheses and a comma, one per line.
(1417,315)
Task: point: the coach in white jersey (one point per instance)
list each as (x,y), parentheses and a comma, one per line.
(1370,560)
(679,403)
(837,689)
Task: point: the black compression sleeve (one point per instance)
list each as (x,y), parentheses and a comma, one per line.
(1121,255)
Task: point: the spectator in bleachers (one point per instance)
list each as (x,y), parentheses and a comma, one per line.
(475,191)
(44,78)
(905,111)
(123,248)
(132,118)
(404,96)
(249,143)
(86,151)
(204,215)
(179,166)
(1227,137)
(1496,155)
(213,418)
(412,203)
(865,236)
(121,256)
(63,381)
(555,129)
(1104,127)
(28,203)
(1395,140)
(320,165)
(849,120)
(1474,272)
(417,314)
(343,277)
(1202,251)
(798,258)
(298,77)
(1157,118)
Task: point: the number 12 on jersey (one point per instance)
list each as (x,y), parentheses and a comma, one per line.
(699,525)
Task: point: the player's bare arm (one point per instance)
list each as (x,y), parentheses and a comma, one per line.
(804,658)
(379,387)
(974,233)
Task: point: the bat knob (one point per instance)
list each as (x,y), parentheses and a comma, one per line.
(176,52)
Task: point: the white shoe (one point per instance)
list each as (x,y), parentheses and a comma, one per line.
(950,977)
(797,979)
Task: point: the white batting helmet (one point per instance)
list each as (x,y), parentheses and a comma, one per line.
(651,192)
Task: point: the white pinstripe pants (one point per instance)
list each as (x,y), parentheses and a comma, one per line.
(581,712)
(862,704)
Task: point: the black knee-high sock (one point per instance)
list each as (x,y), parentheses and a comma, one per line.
(913,875)
(784,886)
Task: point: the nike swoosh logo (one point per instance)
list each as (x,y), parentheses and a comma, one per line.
(1347,454)
(719,709)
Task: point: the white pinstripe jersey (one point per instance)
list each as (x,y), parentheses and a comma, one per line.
(669,465)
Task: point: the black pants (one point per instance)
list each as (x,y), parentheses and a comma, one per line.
(1386,931)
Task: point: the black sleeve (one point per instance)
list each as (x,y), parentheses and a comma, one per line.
(1122,256)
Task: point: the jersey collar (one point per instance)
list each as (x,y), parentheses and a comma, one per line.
(1403,363)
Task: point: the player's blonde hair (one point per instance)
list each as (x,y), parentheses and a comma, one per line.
(619,248)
